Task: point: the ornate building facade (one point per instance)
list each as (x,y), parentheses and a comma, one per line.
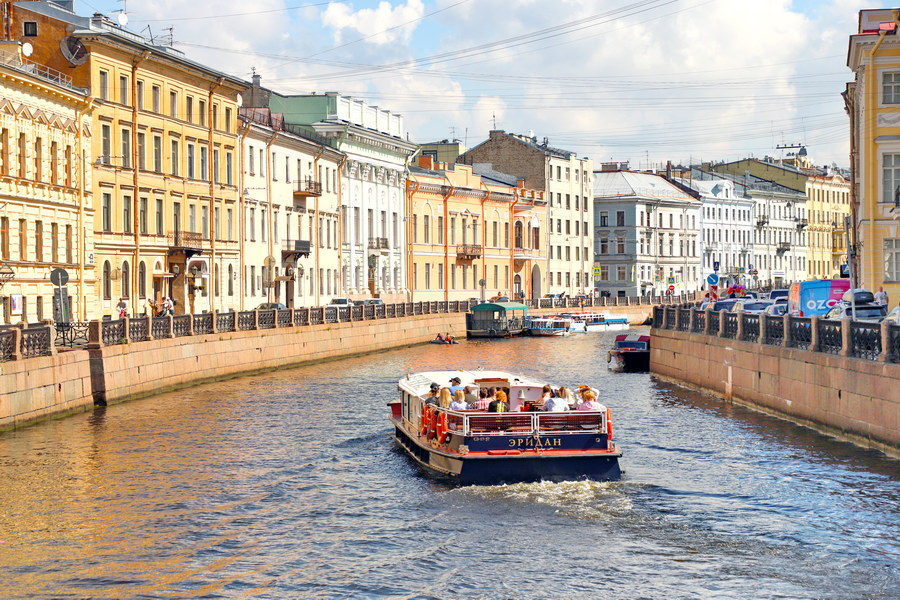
(46,211)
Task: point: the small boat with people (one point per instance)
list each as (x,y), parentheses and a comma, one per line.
(590,322)
(630,353)
(492,427)
(444,339)
(550,326)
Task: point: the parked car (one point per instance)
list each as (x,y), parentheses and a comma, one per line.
(271,305)
(340,303)
(776,309)
(860,304)
(371,301)
(719,305)
(752,306)
(871,313)
(779,294)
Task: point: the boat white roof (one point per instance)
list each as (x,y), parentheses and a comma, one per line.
(418,384)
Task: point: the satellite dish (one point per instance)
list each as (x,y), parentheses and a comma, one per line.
(122,18)
(74,51)
(27,49)
(240,100)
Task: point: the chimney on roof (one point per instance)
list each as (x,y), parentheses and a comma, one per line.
(668,169)
(426,162)
(546,142)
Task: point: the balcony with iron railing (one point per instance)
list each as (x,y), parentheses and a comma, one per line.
(294,248)
(469,251)
(15,61)
(305,188)
(187,242)
(801,223)
(526,253)
(783,247)
(379,243)
(762,221)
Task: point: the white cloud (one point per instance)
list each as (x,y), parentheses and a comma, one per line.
(385,24)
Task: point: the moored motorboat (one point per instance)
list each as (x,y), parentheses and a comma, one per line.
(479,447)
(590,322)
(630,353)
(550,326)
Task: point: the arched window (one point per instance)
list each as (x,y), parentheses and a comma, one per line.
(142,279)
(126,280)
(518,234)
(107,281)
(216,282)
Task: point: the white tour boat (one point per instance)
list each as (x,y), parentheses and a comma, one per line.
(550,326)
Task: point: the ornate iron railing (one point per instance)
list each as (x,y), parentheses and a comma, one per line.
(267,319)
(684,319)
(203,323)
(801,332)
(774,331)
(316,316)
(37,341)
(7,344)
(344,313)
(246,320)
(160,327)
(830,336)
(699,321)
(226,321)
(730,325)
(865,340)
(73,334)
(330,314)
(181,325)
(749,327)
(894,343)
(112,332)
(669,318)
(301,316)
(285,318)
(139,329)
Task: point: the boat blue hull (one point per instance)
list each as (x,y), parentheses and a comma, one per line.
(498,469)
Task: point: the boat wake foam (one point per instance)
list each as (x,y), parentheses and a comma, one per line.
(581,499)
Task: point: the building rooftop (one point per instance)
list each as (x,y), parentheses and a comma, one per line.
(611,184)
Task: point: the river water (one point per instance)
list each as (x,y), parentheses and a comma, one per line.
(287,485)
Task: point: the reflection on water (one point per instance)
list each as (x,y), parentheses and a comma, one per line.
(286,485)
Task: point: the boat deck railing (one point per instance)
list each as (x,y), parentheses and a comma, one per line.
(471,423)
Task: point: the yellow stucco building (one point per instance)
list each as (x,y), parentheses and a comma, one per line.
(467,228)
(827,205)
(164,157)
(873,104)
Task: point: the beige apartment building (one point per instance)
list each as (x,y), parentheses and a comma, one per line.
(46,213)
(565,179)
(164,159)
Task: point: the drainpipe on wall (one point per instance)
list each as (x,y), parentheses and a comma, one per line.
(136,208)
(271,216)
(242,230)
(210,166)
(340,225)
(412,187)
(317,225)
(446,197)
(82,241)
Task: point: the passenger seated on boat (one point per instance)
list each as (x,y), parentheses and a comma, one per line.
(484,399)
(546,394)
(590,402)
(455,385)
(566,394)
(445,398)
(585,388)
(432,397)
(499,404)
(471,395)
(439,337)
(556,404)
(459,401)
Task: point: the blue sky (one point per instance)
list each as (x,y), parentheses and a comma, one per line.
(667,80)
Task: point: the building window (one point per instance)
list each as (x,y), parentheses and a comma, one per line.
(189,109)
(143,216)
(190,161)
(4,238)
(126,149)
(126,280)
(142,280)
(140,95)
(157,154)
(107,281)
(604,219)
(229,162)
(173,104)
(159,217)
(204,163)
(123,90)
(890,175)
(105,144)
(39,241)
(106,207)
(104,85)
(892,259)
(174,157)
(142,151)
(126,214)
(156,100)
(620,218)
(30,29)
(890,88)
(228,120)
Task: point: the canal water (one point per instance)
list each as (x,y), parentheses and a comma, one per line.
(287,485)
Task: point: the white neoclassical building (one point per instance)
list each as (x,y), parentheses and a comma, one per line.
(290,213)
(372,187)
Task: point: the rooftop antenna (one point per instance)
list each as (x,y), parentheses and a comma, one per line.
(149,34)
(169,38)
(122,14)
(452,132)
(494,116)
(466,138)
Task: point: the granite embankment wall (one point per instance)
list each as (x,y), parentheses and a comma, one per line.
(850,398)
(36,388)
